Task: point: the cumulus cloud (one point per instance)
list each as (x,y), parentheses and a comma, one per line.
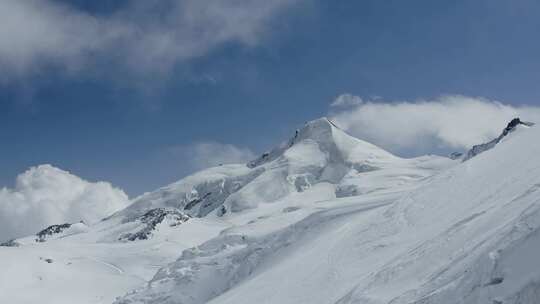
(449,122)
(346,100)
(46,195)
(143,35)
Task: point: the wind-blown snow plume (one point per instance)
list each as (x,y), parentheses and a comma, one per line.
(449,122)
(142,35)
(46,195)
(346,100)
(205,154)
(209,154)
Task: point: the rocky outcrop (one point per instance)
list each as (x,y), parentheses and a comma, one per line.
(151,219)
(10,243)
(475,150)
(50,231)
(196,195)
(455,155)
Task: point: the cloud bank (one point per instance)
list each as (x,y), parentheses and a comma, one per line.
(46,195)
(143,35)
(419,127)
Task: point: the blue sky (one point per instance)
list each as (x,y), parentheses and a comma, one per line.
(140,114)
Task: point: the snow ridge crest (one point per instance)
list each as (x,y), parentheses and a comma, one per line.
(510,127)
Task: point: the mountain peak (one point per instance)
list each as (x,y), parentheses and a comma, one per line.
(330,138)
(323,123)
(319,130)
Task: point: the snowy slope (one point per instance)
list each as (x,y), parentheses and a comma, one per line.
(318,153)
(467,235)
(92,266)
(323,218)
(320,168)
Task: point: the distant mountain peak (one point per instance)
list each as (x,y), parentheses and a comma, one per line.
(324,132)
(318,130)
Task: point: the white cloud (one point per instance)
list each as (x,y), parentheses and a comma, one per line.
(346,100)
(209,154)
(145,35)
(449,122)
(45,195)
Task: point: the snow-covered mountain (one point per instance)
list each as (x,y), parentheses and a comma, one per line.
(322,218)
(319,153)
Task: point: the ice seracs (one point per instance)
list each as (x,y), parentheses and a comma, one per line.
(196,195)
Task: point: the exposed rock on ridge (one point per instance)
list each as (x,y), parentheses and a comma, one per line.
(477,149)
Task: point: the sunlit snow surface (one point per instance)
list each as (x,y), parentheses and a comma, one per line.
(323,218)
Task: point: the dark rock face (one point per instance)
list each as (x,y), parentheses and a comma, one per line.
(222,211)
(259,161)
(151,219)
(512,124)
(455,155)
(489,145)
(50,231)
(362,168)
(196,201)
(10,243)
(46,260)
